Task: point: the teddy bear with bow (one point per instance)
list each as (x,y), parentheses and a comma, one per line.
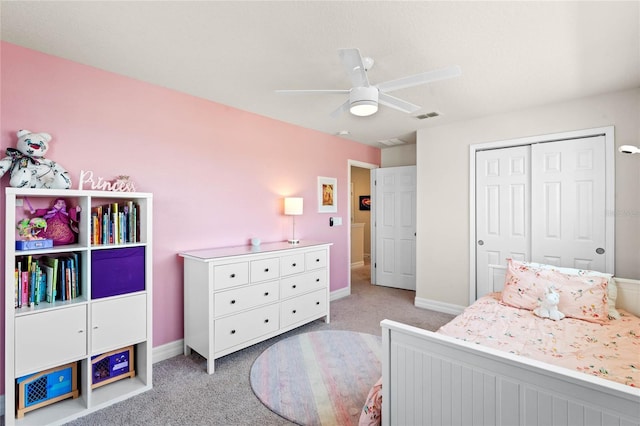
(27,166)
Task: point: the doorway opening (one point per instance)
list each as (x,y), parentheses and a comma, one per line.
(359,221)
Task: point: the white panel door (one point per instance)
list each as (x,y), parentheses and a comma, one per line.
(395,227)
(568,196)
(502,213)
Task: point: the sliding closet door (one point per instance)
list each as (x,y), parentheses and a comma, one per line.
(502,213)
(568,199)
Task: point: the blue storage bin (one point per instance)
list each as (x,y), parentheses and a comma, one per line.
(112,366)
(117,271)
(46,387)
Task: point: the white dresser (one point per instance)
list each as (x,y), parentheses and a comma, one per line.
(235,297)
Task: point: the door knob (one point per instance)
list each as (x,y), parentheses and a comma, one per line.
(480,242)
(600,250)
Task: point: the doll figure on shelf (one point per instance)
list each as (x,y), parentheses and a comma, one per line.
(61,224)
(29,229)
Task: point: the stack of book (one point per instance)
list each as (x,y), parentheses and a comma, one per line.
(115,223)
(46,279)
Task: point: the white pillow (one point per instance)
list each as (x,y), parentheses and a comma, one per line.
(612,290)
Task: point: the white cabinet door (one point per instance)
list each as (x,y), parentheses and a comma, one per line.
(118,322)
(50,338)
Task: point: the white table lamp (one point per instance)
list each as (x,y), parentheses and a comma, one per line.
(293,208)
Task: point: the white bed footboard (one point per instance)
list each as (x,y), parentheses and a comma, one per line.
(432,379)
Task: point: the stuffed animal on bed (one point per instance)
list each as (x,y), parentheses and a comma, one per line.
(548,307)
(27,166)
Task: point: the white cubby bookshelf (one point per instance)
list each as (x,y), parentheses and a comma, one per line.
(49,335)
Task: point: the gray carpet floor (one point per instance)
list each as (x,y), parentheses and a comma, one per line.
(183,394)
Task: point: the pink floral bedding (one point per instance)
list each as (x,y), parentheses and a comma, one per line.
(610,350)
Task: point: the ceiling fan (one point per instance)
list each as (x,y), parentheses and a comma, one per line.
(365,97)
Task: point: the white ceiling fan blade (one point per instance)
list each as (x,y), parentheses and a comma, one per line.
(422,78)
(399,104)
(341,109)
(312,91)
(352,62)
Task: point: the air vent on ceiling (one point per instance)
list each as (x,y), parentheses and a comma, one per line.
(392,142)
(428,115)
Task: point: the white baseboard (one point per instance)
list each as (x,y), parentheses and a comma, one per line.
(339,294)
(168,350)
(437,306)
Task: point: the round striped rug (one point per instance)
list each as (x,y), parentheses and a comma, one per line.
(318,378)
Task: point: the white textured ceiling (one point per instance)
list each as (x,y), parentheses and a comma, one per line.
(513,55)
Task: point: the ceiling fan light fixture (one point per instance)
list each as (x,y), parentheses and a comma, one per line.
(363,108)
(363,101)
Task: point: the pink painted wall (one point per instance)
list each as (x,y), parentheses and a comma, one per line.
(218,174)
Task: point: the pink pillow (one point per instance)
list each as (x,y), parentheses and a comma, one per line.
(524,285)
(581,297)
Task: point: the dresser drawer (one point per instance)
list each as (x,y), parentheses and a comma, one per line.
(292,286)
(236,300)
(231,275)
(237,329)
(316,259)
(265,269)
(292,264)
(303,307)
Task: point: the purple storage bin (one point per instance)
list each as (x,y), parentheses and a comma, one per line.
(117,271)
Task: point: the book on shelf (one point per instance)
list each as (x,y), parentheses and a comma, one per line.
(46,279)
(51,265)
(115,223)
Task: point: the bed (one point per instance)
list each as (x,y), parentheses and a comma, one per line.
(498,363)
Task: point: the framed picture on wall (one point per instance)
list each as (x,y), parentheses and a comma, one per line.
(327,195)
(365,202)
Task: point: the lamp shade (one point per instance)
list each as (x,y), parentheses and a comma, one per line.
(293,206)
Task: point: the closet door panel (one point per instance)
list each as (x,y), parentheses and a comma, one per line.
(502,213)
(568,203)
